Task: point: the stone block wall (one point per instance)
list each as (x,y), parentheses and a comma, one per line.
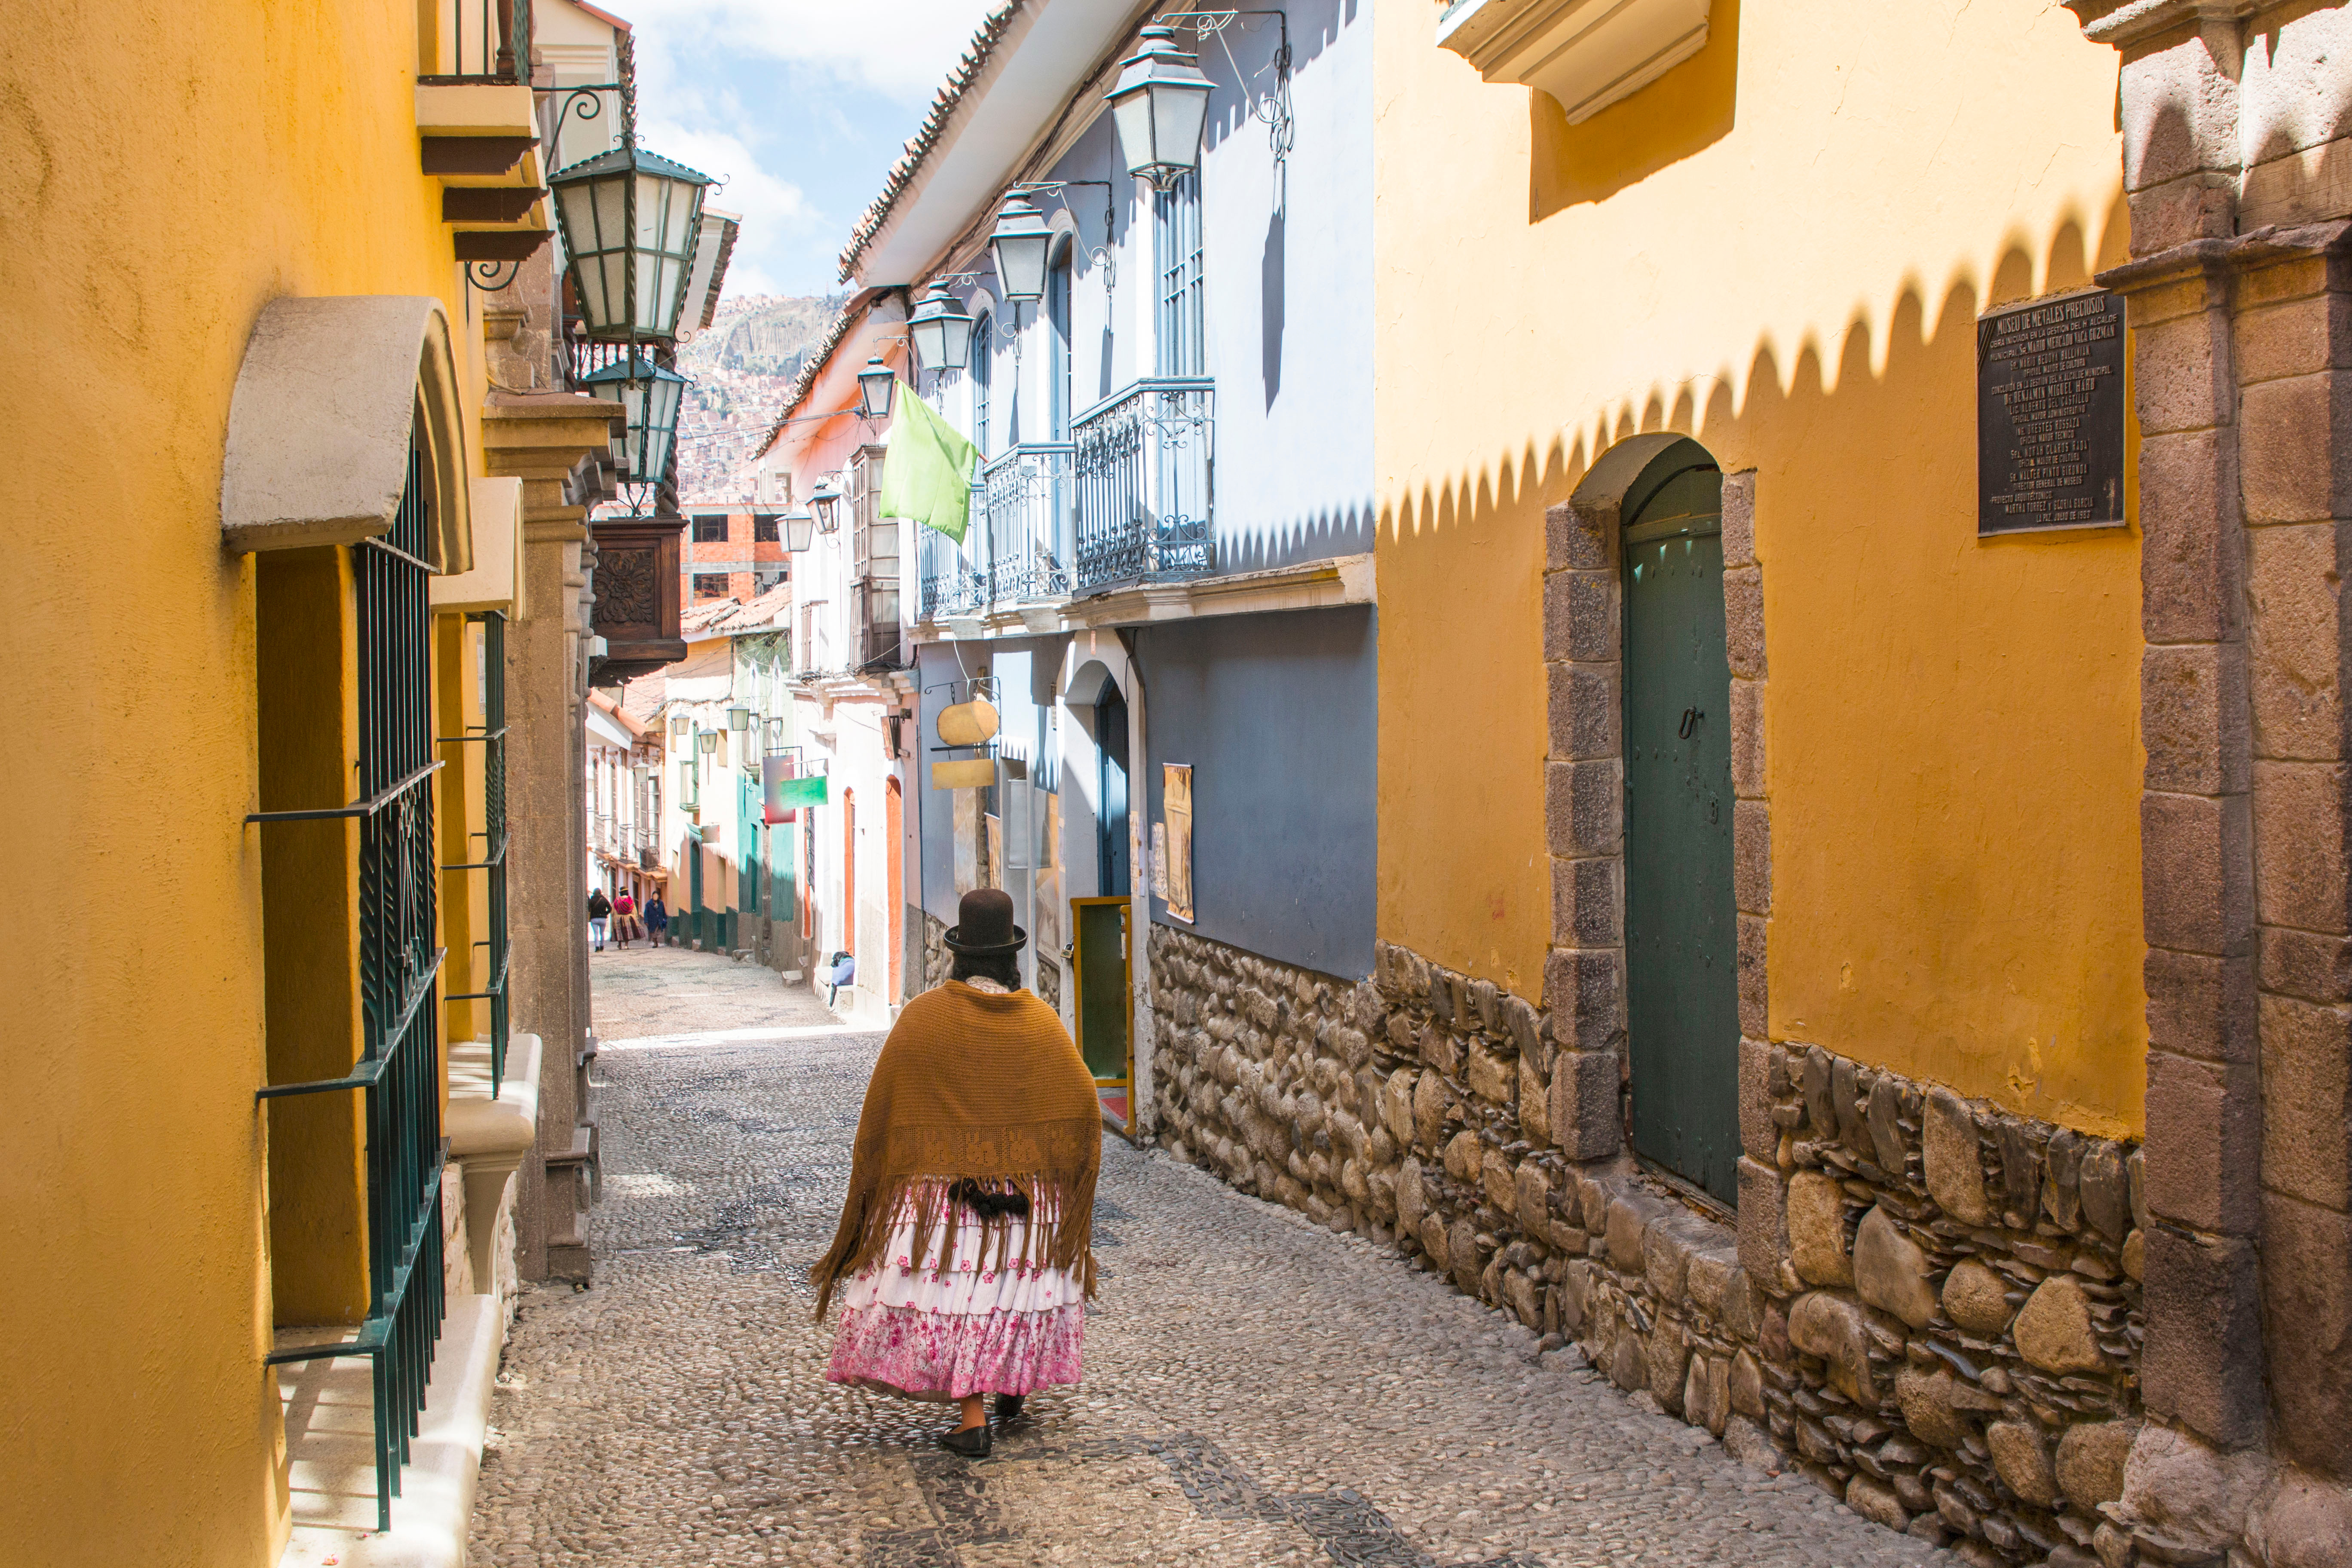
(1930,1308)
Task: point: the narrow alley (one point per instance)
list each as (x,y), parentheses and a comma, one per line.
(1258,1390)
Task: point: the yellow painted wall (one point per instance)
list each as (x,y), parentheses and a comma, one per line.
(460,817)
(306,638)
(1779,248)
(170,168)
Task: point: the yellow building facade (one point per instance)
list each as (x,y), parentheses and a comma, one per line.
(263,365)
(1852,962)
(1779,249)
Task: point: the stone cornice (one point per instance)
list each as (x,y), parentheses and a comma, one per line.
(2122,21)
(1309,585)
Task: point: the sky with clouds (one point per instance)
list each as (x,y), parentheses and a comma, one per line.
(801,106)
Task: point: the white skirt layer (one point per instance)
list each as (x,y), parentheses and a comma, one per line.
(937,1328)
(969,1280)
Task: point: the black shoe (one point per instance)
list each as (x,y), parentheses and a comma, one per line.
(972,1443)
(1008,1408)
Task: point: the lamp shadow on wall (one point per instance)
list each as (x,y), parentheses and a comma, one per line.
(1684,112)
(1891,378)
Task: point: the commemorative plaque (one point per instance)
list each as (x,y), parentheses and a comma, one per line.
(2050,414)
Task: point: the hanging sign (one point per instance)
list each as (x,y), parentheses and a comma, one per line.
(784,789)
(966,773)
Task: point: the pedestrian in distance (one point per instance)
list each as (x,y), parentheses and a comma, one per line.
(624,918)
(600,910)
(964,1257)
(657,920)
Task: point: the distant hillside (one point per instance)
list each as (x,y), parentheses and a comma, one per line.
(742,368)
(762,334)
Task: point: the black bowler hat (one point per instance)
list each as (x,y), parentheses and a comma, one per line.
(984,925)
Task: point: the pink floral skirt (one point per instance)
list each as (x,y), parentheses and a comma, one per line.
(946,1331)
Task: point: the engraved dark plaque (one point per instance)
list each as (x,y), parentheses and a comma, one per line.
(2050,414)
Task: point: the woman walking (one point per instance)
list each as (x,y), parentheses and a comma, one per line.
(600,910)
(963,1261)
(656,918)
(624,917)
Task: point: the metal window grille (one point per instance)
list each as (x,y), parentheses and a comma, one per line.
(399,1062)
(764,529)
(487,41)
(875,556)
(493,742)
(984,378)
(709,530)
(1183,299)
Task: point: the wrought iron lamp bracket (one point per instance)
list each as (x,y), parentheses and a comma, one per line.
(1270,107)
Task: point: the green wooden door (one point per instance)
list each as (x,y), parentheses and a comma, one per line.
(1681,932)
(1104,1005)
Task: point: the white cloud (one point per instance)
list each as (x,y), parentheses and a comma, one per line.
(904,49)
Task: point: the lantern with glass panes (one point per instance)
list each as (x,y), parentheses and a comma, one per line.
(800,529)
(828,502)
(1019,244)
(649,395)
(941,330)
(1159,107)
(629,220)
(876,383)
(738,718)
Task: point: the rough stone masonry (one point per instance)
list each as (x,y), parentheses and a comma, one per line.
(1930,1308)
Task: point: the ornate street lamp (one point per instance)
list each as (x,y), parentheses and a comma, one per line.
(825,502)
(1020,242)
(649,393)
(738,718)
(800,529)
(630,221)
(1159,108)
(941,329)
(681,726)
(708,740)
(875,385)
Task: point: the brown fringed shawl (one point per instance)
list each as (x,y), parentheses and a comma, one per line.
(979,1085)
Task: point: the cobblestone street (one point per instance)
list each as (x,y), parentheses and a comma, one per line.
(1258,1390)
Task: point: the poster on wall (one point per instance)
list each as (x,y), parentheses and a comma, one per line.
(1049,881)
(1176,799)
(967,841)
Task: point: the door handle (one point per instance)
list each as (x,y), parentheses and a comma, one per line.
(1691,716)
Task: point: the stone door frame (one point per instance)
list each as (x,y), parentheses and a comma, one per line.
(1584,798)
(2240,299)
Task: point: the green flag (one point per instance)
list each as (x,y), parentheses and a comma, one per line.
(928,475)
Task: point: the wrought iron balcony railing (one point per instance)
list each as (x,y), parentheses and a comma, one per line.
(1128,499)
(1146,465)
(1031,497)
(484,42)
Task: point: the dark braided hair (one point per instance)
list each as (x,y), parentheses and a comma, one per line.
(1004,968)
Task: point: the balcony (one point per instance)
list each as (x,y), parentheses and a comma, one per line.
(1127,500)
(1147,481)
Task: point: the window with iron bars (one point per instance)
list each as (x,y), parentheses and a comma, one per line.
(710,531)
(492,738)
(874,548)
(397,1063)
(1183,324)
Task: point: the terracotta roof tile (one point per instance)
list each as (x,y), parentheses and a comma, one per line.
(919,146)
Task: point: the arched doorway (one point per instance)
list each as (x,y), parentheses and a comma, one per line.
(849,877)
(1682,989)
(1110,797)
(894,824)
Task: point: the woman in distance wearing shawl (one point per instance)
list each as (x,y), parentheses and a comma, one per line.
(962,1263)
